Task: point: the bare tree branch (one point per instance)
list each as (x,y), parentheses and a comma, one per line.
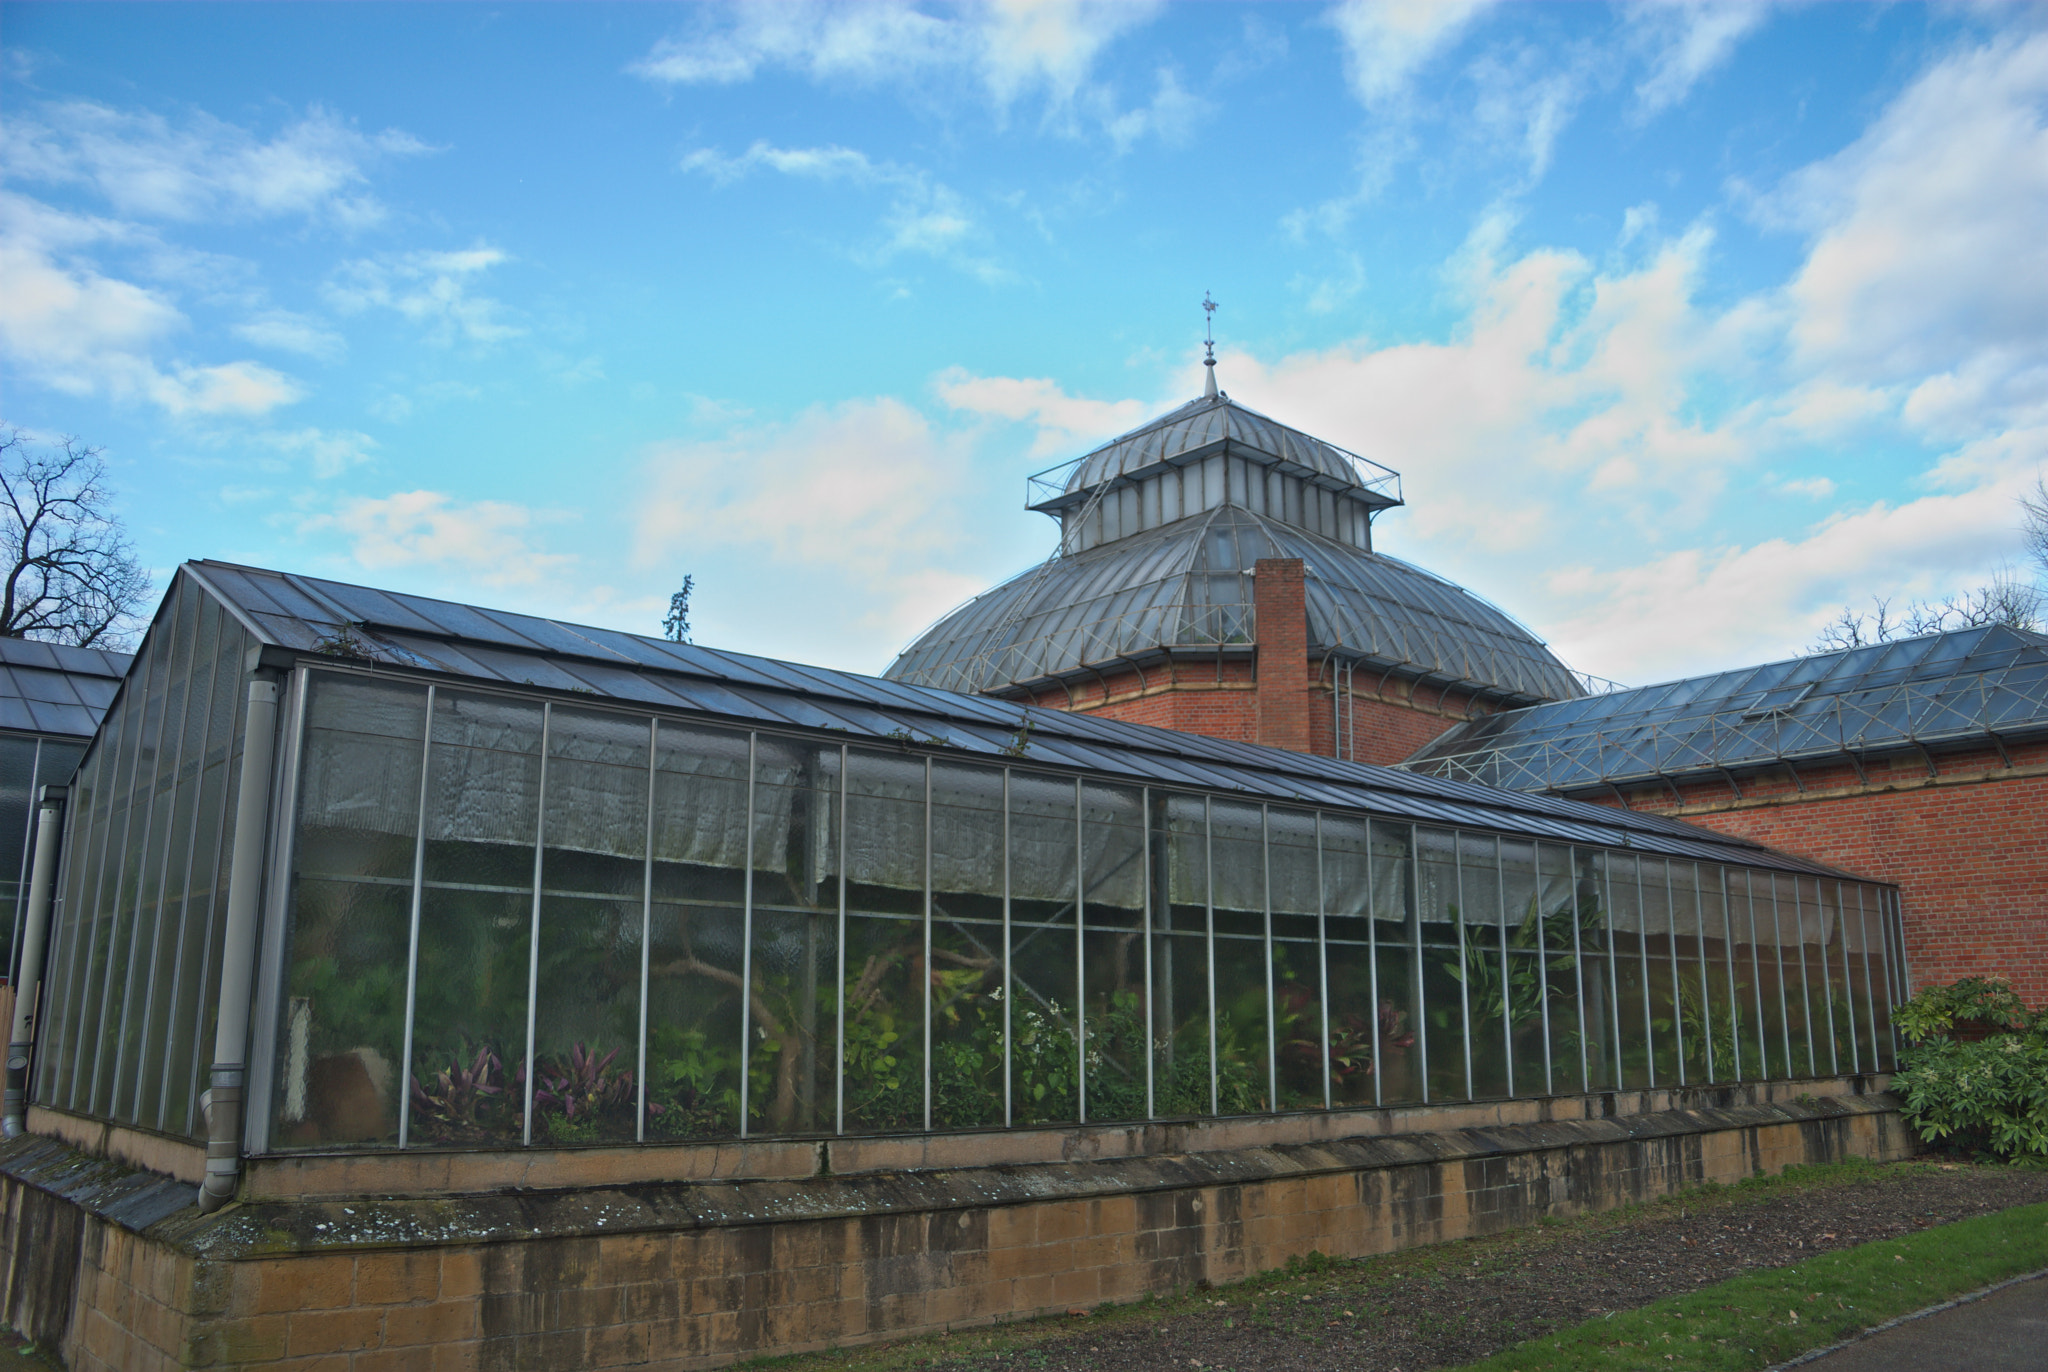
(2034,525)
(67,571)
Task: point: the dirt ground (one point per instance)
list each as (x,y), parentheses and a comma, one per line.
(1456,1303)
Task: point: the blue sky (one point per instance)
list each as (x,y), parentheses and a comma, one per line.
(1684,324)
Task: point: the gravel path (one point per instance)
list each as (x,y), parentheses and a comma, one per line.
(1456,1303)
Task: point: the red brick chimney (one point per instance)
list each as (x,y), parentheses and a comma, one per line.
(1282,631)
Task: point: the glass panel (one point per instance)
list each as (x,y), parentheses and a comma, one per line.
(1726,992)
(1180,957)
(191,1051)
(1845,1000)
(469,1041)
(17,780)
(1400,1027)
(1819,931)
(170,833)
(1113,950)
(887,987)
(1299,1028)
(1557,912)
(1044,962)
(696,943)
(586,1040)
(231,719)
(1756,961)
(343,1030)
(1526,987)
(86,994)
(1488,994)
(1631,981)
(1599,1004)
(1347,903)
(1793,969)
(967,946)
(1693,1012)
(1659,971)
(794,1044)
(122,891)
(1244,1045)
(56,1040)
(1438,902)
(1879,950)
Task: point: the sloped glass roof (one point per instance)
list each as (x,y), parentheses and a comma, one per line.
(53,688)
(1982,683)
(1214,424)
(348,624)
(1187,585)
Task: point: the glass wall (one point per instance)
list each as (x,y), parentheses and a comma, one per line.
(27,764)
(135,931)
(515,922)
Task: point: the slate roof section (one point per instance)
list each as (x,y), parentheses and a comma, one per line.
(1212,425)
(412,634)
(1186,587)
(55,689)
(1970,685)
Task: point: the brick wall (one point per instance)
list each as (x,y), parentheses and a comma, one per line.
(1965,840)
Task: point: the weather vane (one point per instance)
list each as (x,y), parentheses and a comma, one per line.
(1209,341)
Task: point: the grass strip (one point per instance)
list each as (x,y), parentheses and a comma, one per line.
(1762,1318)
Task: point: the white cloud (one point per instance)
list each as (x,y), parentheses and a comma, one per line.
(924,216)
(204,168)
(284,331)
(860,503)
(329,452)
(1170,116)
(1686,41)
(247,388)
(490,541)
(1009,49)
(432,289)
(81,332)
(832,163)
(1387,43)
(1524,101)
(1708,607)
(1063,421)
(1928,255)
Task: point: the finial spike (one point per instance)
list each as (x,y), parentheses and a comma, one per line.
(1209,342)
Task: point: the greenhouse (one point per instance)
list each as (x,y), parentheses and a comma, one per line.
(508,882)
(51,699)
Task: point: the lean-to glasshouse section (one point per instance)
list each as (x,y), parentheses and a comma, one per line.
(128,996)
(52,697)
(515,920)
(536,885)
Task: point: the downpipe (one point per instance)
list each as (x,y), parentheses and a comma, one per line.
(238,956)
(34,938)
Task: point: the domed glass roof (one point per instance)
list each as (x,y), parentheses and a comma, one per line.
(1209,425)
(1186,587)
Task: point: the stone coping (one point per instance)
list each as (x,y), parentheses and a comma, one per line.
(421,1172)
(162,1207)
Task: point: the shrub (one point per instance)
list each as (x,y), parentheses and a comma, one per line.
(1987,1096)
(1981,1001)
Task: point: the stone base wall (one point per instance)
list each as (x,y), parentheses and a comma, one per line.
(114,1265)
